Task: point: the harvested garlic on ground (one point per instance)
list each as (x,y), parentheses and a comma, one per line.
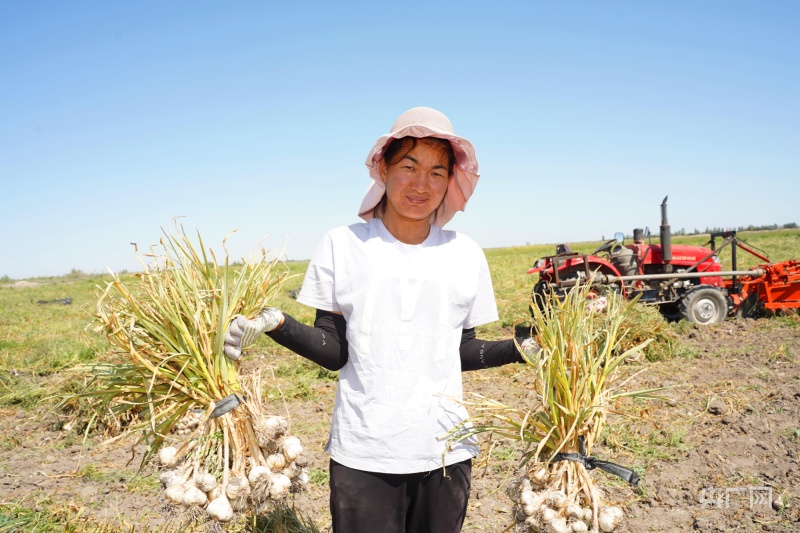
(609,518)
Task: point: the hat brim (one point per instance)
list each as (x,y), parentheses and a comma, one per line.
(459,189)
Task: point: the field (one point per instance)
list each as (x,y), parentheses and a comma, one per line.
(721,454)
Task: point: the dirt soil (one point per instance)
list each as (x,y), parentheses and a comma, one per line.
(722,454)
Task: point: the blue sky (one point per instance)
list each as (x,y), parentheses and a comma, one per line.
(257,117)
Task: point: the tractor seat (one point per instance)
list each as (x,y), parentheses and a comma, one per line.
(563,249)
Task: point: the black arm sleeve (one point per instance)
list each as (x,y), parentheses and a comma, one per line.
(477,354)
(325,343)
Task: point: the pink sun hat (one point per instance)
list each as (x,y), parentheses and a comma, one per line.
(426,122)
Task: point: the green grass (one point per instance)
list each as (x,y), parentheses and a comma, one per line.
(319,477)
(38,342)
(91,472)
(302,377)
(665,443)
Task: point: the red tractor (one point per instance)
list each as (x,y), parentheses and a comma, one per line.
(683,281)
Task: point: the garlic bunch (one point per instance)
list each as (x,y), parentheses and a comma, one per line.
(274,469)
(541,508)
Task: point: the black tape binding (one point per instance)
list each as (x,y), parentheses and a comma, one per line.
(590,463)
(227,404)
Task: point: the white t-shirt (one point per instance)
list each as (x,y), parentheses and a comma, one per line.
(405,307)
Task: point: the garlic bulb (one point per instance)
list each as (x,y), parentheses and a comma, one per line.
(194,496)
(258,473)
(174,493)
(215,493)
(534,522)
(269,429)
(540,477)
(525,484)
(261,484)
(292,448)
(574,511)
(557,499)
(220,509)
(526,497)
(299,481)
(530,509)
(280,486)
(238,487)
(548,514)
(558,525)
(167,456)
(205,481)
(169,477)
(276,462)
(530,502)
(578,526)
(609,518)
(291,471)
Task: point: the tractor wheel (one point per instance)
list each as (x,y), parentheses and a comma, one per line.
(540,296)
(704,305)
(671,312)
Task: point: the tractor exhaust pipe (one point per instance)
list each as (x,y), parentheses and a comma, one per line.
(666,238)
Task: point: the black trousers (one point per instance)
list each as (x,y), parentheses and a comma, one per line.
(426,502)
